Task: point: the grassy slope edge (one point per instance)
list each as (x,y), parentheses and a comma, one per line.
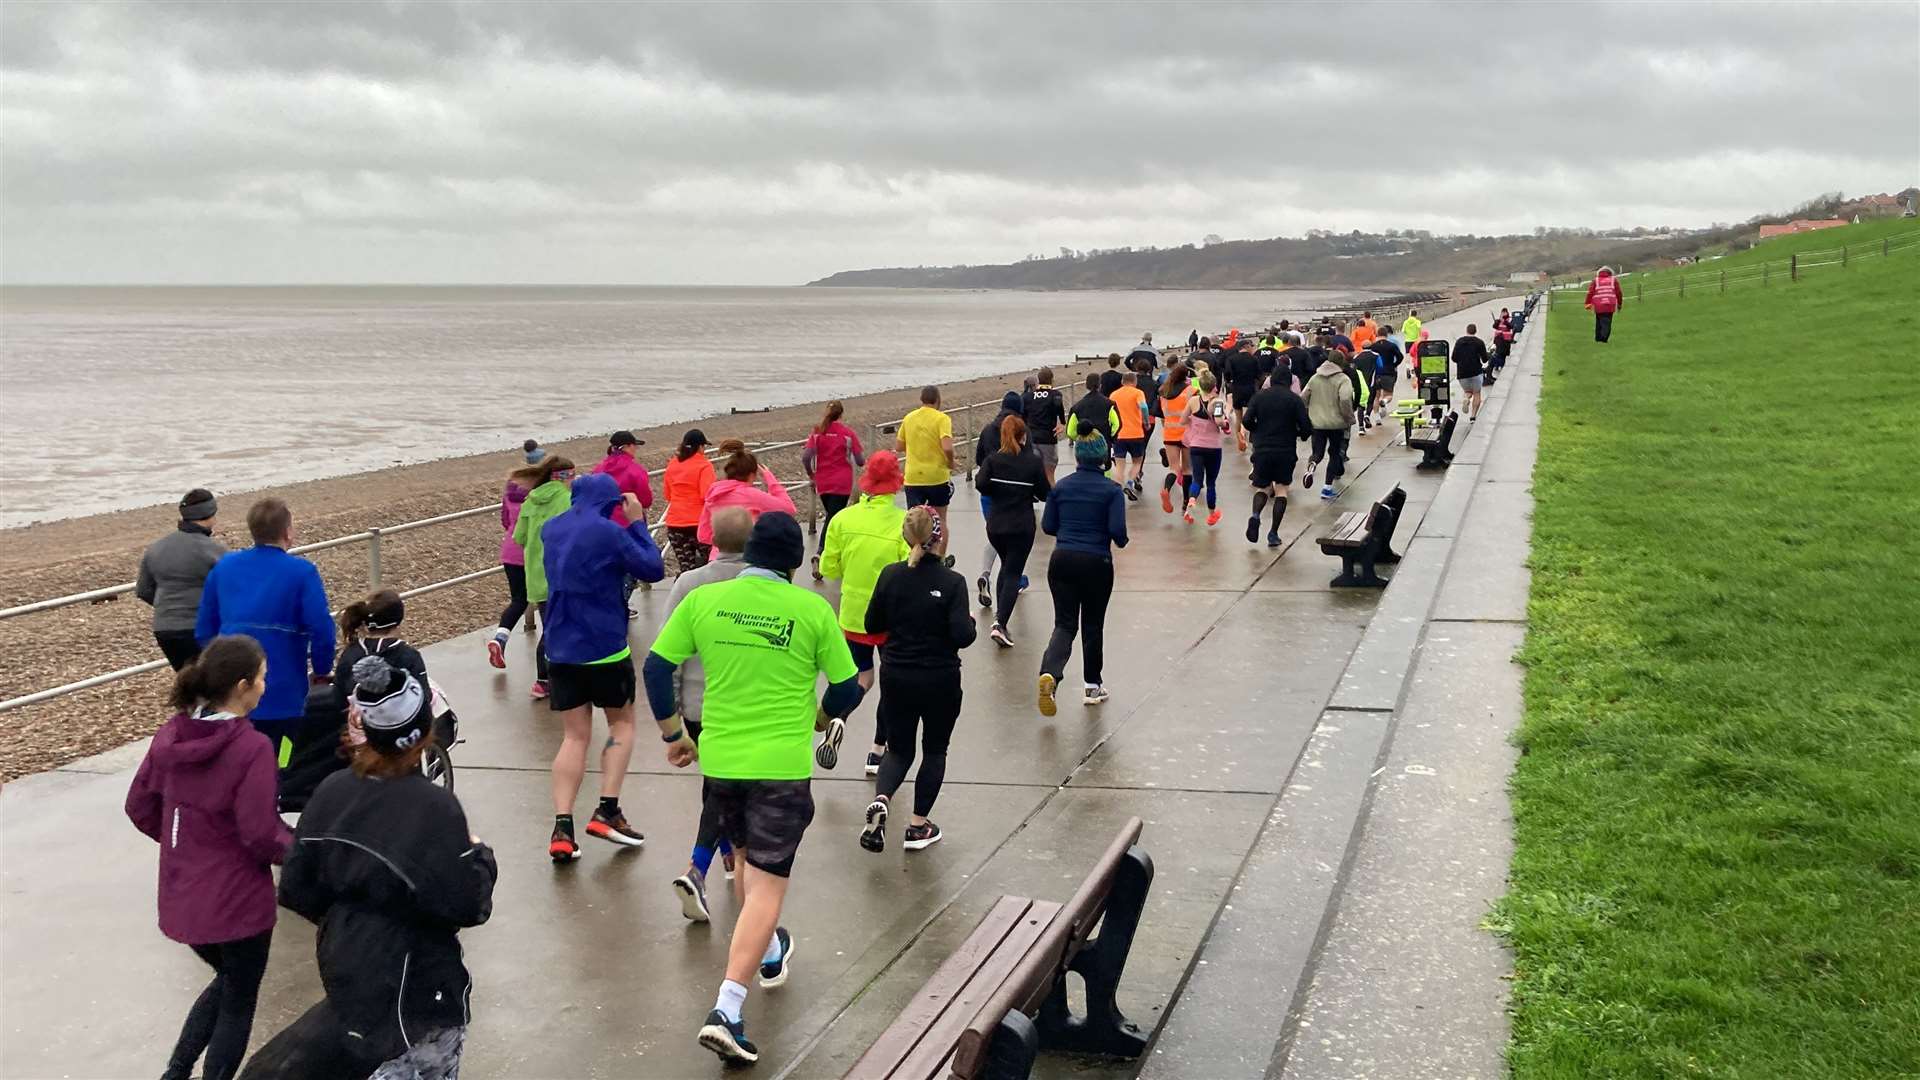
(1718,807)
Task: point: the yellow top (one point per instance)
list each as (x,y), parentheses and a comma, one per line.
(922,431)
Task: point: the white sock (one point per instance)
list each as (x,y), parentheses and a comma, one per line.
(502,634)
(733,998)
(772,955)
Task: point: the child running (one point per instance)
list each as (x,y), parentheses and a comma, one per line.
(921,607)
(1087,517)
(863,540)
(1010,482)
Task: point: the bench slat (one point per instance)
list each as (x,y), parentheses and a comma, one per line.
(1350,530)
(908,1029)
(937,1045)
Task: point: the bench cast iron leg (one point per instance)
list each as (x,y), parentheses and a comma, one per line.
(1013,1049)
(1395,502)
(1103,1030)
(1347,579)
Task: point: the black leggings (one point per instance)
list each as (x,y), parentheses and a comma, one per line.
(829,506)
(516,596)
(1013,549)
(927,700)
(178,646)
(1082,583)
(1205,463)
(221,1020)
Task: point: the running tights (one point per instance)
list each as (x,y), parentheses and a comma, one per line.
(1013,549)
(927,701)
(1082,583)
(1206,466)
(221,1019)
(516,596)
(1331,446)
(688,552)
(540,643)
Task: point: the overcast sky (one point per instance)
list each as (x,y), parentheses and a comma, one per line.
(769,144)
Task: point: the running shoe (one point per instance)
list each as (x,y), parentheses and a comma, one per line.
(1213,518)
(726,864)
(920,837)
(728,1038)
(817,575)
(692,889)
(1166,499)
(982,592)
(1023,583)
(1273,537)
(1307,480)
(1047,705)
(775,974)
(562,847)
(999,636)
(874,836)
(1132,493)
(873,763)
(1253,529)
(614,829)
(497,653)
(827,754)
(1186,514)
(1327,492)
(1095,695)
(538,691)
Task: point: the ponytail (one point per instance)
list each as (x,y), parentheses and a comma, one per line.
(224,664)
(917,531)
(835,410)
(384,605)
(532,476)
(740,464)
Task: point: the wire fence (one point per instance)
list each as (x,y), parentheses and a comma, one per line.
(1708,282)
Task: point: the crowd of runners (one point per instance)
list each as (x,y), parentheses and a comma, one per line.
(383,859)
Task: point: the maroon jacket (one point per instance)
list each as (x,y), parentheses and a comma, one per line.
(206,793)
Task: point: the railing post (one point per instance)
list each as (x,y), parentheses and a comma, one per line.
(1883,247)
(1793,266)
(1639,290)
(373,560)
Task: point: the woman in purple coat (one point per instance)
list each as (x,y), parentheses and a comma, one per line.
(206,793)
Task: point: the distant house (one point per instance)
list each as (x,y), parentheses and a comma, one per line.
(1873,206)
(1800,225)
(1526,277)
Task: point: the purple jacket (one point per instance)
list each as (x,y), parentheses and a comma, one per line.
(206,793)
(511,500)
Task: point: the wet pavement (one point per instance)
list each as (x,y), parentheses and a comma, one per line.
(1251,704)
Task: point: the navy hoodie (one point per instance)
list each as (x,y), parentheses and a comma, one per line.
(587,557)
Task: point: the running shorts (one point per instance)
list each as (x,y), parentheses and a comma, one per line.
(1383,385)
(929,494)
(609,686)
(1240,395)
(1274,467)
(1130,448)
(764,819)
(1049,454)
(1471,384)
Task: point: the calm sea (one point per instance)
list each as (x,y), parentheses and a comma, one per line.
(118,397)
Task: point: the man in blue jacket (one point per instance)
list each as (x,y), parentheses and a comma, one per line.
(587,559)
(278,600)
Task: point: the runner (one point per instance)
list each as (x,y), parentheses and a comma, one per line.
(1352,364)
(384,863)
(1093,412)
(685,484)
(764,644)
(736,488)
(216,877)
(277,600)
(1329,400)
(1470,367)
(1277,421)
(1386,371)
(1208,421)
(173,572)
(832,457)
(1362,333)
(587,556)
(921,607)
(1241,377)
(378,617)
(925,438)
(985,447)
(1011,481)
(1410,331)
(550,484)
(622,463)
(1174,398)
(1130,448)
(1087,516)
(513,563)
(863,540)
(731,526)
(1046,416)
(1110,378)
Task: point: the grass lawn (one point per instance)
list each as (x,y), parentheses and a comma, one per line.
(1718,808)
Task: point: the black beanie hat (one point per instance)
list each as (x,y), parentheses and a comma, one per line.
(395,710)
(387,616)
(775,543)
(198,505)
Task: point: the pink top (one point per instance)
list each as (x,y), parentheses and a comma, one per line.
(511,500)
(1203,432)
(835,452)
(632,478)
(741,493)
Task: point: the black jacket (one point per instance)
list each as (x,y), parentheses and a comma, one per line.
(1300,361)
(1243,370)
(1469,357)
(397,652)
(988,444)
(1012,483)
(923,611)
(1044,410)
(1276,419)
(389,872)
(1094,412)
(1110,380)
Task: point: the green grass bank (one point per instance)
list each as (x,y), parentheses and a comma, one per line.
(1718,807)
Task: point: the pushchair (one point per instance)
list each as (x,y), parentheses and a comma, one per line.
(316,751)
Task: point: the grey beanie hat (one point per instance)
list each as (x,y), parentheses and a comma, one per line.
(198,505)
(394,707)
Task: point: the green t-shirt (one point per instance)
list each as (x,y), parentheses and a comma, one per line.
(764,645)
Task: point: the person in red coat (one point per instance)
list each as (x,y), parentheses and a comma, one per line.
(1603,299)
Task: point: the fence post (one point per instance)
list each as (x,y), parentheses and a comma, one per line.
(1639,290)
(1793,266)
(1883,247)
(1683,286)
(1723,282)
(373,560)
(1843,256)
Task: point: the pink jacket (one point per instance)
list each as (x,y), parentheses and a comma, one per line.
(511,500)
(741,493)
(632,478)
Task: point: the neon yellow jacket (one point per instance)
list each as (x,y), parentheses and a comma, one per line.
(1410,332)
(862,540)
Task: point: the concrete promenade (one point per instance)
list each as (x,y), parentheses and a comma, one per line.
(1321,773)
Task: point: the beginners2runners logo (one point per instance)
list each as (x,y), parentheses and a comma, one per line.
(775,630)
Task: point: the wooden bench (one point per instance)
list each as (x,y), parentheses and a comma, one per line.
(1001,997)
(1364,538)
(1434,443)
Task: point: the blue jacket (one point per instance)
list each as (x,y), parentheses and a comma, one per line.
(276,599)
(587,557)
(1086,512)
